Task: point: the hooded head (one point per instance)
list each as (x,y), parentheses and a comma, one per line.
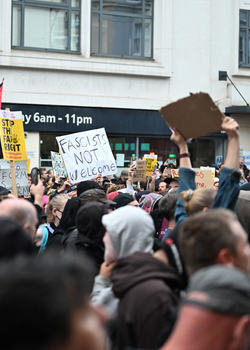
(130,230)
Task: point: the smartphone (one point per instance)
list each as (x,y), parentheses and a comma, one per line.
(171,161)
(35,175)
(71,189)
(133,161)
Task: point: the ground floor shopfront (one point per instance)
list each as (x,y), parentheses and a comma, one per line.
(130,133)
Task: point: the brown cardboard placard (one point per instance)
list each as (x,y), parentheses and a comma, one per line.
(203,178)
(194,116)
(140,173)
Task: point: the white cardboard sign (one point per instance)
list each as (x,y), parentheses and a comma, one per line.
(57,164)
(87,154)
(21,176)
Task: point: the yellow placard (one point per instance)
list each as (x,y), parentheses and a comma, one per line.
(28,165)
(12,135)
(151,163)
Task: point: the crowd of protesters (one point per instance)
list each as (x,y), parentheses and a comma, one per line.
(105,264)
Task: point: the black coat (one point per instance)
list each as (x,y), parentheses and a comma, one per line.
(148,293)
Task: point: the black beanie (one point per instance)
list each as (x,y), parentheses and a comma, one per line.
(87,185)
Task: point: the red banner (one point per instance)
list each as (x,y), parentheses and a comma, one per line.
(1,91)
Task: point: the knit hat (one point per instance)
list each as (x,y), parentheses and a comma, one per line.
(87,185)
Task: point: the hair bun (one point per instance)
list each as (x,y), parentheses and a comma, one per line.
(186,195)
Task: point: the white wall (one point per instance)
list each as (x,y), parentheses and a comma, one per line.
(193,40)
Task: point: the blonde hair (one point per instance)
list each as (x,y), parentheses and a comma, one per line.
(198,199)
(56,202)
(242,178)
(114,188)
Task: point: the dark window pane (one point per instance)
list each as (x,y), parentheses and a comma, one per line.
(148,38)
(123,145)
(95,5)
(161,147)
(121,35)
(75,31)
(16,26)
(148,8)
(58,1)
(126,7)
(248,59)
(243,17)
(95,32)
(75,3)
(52,31)
(242,46)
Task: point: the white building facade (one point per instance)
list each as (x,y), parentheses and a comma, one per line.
(75,65)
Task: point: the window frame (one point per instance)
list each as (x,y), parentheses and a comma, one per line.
(247,45)
(42,4)
(143,17)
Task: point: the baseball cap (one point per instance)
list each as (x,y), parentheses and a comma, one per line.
(169,179)
(123,199)
(124,174)
(227,288)
(95,194)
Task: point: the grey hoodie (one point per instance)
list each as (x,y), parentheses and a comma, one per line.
(131,230)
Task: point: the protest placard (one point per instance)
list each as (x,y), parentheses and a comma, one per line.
(194,116)
(21,176)
(203,178)
(140,173)
(151,163)
(209,168)
(57,164)
(12,135)
(87,154)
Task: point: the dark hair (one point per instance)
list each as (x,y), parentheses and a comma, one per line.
(89,221)
(203,235)
(162,167)
(37,297)
(42,169)
(167,204)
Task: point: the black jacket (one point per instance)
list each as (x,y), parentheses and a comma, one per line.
(148,293)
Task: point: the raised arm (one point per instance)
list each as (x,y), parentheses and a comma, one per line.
(186,174)
(180,142)
(230,176)
(231,127)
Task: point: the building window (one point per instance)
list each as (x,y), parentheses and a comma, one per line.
(51,25)
(122,28)
(244,40)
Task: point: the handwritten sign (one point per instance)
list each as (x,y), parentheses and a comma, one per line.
(151,163)
(140,173)
(203,178)
(12,135)
(57,164)
(209,168)
(87,154)
(21,176)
